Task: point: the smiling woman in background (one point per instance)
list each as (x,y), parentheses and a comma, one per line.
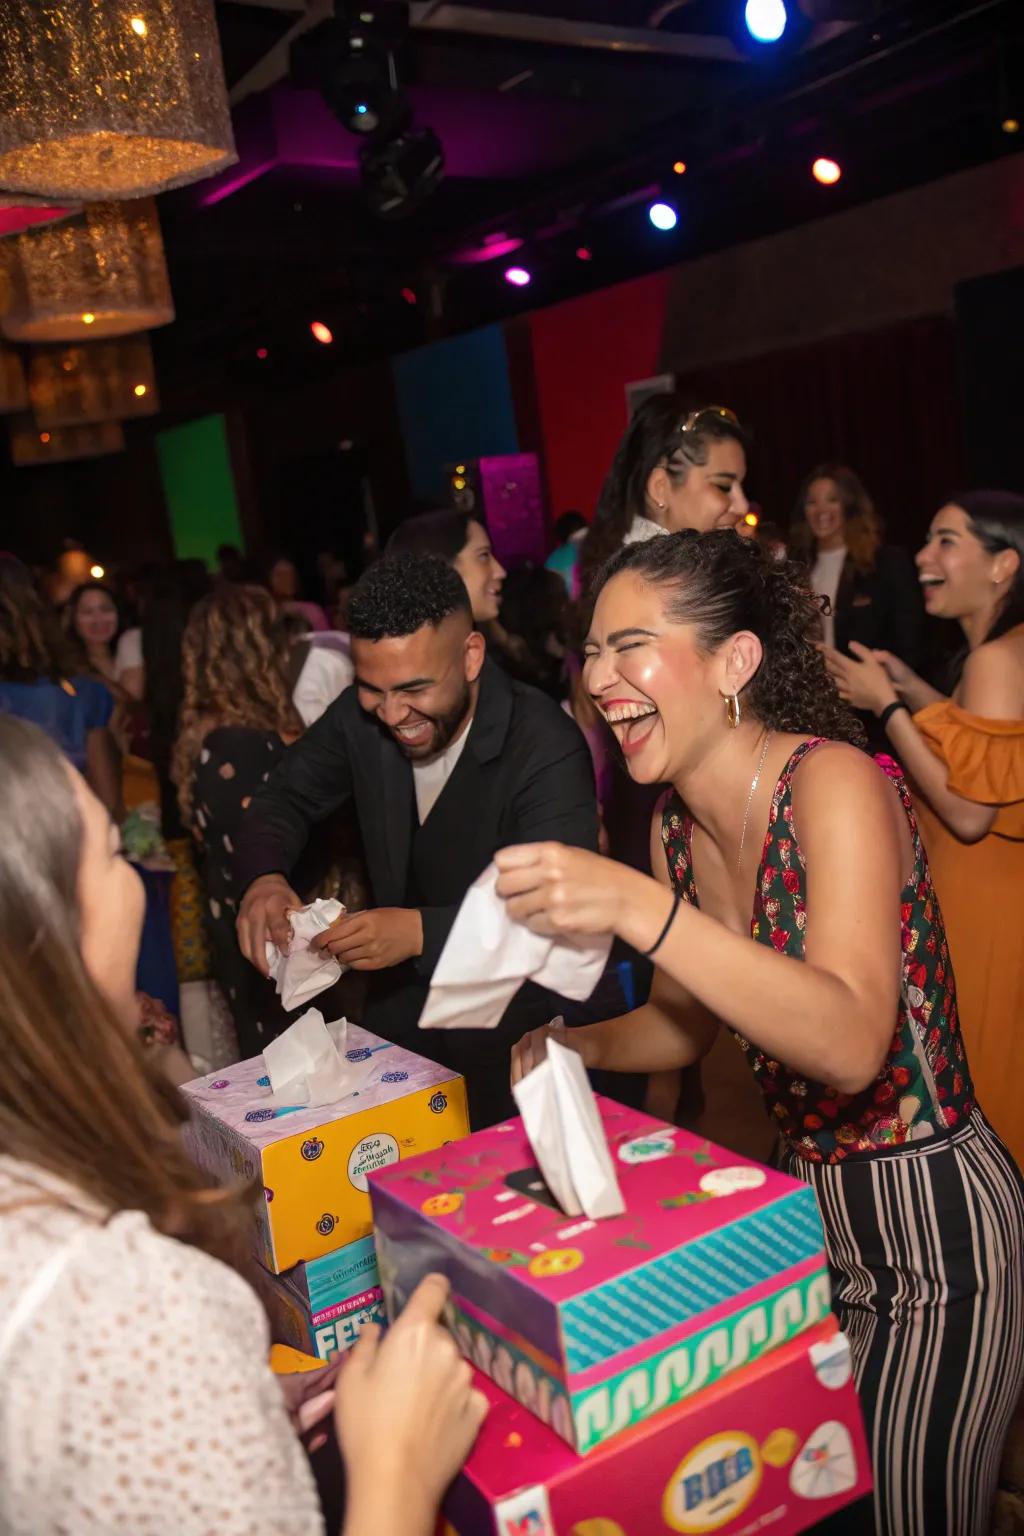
(872,588)
(40,681)
(674,468)
(965,757)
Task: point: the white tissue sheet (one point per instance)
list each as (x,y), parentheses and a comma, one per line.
(303,973)
(307,1063)
(488,956)
(563,1125)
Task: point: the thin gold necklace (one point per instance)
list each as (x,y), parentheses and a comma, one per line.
(750,798)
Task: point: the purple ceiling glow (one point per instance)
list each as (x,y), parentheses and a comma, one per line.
(492,247)
(485,137)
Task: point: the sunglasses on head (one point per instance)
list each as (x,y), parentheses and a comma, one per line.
(691,422)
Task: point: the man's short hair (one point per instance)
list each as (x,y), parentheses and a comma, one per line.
(401,593)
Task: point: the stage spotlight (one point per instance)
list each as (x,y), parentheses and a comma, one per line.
(409,295)
(401,174)
(352,61)
(95,571)
(262,354)
(584,253)
(663,216)
(321,332)
(826,171)
(517,276)
(680,167)
(1010,125)
(765,20)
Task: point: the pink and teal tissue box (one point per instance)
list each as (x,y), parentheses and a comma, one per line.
(322,1306)
(597,1326)
(313,1162)
(777,1447)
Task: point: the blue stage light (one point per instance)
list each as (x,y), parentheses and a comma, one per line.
(663,216)
(765,19)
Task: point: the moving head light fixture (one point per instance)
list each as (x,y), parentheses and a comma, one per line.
(353,60)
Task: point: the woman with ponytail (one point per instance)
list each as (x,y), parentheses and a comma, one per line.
(674,469)
(793,903)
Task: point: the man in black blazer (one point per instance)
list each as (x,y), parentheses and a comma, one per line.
(446,760)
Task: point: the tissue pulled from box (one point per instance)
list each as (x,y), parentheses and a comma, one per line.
(307,1063)
(303,973)
(488,956)
(563,1125)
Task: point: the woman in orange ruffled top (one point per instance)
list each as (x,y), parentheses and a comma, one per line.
(965,757)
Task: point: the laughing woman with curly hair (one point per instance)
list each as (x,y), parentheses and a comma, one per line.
(793,903)
(237,720)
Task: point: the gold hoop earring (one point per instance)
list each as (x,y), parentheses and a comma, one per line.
(732,709)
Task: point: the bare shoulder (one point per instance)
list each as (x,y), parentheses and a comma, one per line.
(838,784)
(992,684)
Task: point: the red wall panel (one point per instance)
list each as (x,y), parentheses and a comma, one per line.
(585,352)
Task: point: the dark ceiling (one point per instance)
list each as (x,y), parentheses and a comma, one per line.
(559,119)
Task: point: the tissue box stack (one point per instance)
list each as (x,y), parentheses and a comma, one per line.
(639,1340)
(321,1307)
(775,1447)
(315,1269)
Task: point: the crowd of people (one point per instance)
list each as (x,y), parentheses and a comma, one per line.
(689,730)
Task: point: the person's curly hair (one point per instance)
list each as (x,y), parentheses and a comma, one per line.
(722,584)
(234,658)
(32,643)
(402,592)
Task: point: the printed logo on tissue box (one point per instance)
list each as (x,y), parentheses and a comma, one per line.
(368,1155)
(314,1161)
(290,1321)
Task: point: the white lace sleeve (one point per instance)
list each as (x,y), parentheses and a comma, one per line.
(138,1402)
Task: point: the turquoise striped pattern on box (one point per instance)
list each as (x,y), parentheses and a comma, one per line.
(668,1291)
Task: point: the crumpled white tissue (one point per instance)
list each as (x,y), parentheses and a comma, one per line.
(307,1064)
(488,956)
(304,973)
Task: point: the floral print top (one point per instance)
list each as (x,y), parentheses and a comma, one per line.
(924,1087)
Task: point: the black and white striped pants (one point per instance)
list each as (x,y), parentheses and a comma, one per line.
(926,1247)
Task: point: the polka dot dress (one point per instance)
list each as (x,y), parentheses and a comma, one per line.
(135,1395)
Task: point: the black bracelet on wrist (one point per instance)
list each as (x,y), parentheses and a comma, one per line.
(890,710)
(659,941)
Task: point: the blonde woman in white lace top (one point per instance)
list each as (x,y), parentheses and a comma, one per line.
(135,1394)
